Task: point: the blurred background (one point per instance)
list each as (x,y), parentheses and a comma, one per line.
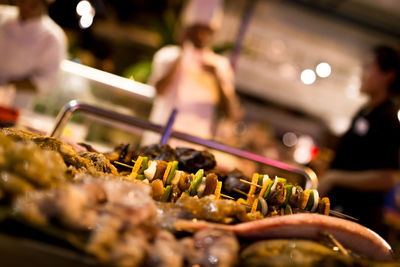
(297,66)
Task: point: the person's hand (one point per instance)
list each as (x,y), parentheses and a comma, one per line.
(236,113)
(187,52)
(209,62)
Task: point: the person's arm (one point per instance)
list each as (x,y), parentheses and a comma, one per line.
(165,67)
(162,84)
(230,102)
(370,180)
(225,78)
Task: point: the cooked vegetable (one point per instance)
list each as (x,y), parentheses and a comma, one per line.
(217,191)
(166,173)
(196,182)
(250,195)
(171,174)
(167,194)
(136,168)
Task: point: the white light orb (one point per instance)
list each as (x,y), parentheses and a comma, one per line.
(308,76)
(289,139)
(86,21)
(323,70)
(398,114)
(83,8)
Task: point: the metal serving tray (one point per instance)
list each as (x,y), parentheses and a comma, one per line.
(309,176)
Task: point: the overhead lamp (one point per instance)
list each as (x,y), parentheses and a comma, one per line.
(86,21)
(323,70)
(308,76)
(83,8)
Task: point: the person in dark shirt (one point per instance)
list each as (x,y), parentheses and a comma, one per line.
(366,161)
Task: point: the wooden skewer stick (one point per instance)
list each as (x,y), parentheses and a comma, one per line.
(250,183)
(240,191)
(246,205)
(123,164)
(342,215)
(226,196)
(335,242)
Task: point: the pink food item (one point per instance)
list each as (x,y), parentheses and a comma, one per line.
(306,226)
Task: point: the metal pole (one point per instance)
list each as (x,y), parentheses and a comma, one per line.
(246,18)
(168,128)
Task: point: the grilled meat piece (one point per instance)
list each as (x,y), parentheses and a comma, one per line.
(24,166)
(157,152)
(211,247)
(278,196)
(208,208)
(295,198)
(165,251)
(12,185)
(67,152)
(191,160)
(184,181)
(231,180)
(158,189)
(101,163)
(160,170)
(211,184)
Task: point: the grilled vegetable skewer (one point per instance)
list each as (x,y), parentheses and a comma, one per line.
(267,196)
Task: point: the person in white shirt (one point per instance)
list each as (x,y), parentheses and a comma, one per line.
(191,77)
(32,46)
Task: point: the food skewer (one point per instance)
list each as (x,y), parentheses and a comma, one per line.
(250,183)
(240,191)
(123,164)
(226,196)
(335,242)
(169,183)
(342,215)
(279,193)
(244,204)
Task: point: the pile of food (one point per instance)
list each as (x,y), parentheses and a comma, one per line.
(158,206)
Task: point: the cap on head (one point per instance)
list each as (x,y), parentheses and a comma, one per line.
(203,12)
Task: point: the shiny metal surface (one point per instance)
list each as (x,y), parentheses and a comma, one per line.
(74,105)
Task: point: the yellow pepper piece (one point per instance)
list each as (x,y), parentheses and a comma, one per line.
(217,191)
(254,206)
(241,201)
(264,187)
(304,199)
(136,168)
(252,190)
(167,172)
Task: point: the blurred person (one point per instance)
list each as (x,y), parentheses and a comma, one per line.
(191,77)
(366,162)
(32,46)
